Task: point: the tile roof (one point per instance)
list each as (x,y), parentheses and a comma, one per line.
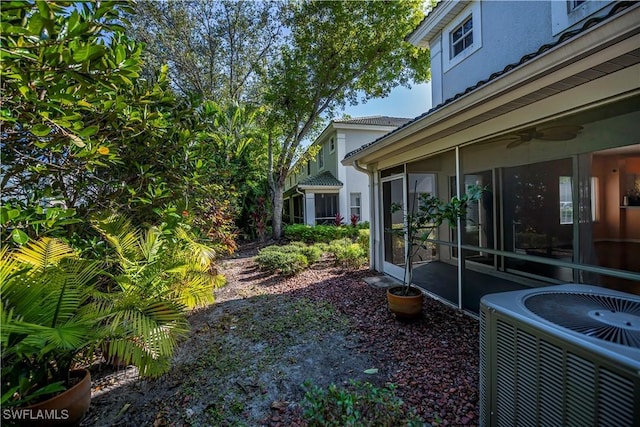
(325,179)
(375,121)
(619,6)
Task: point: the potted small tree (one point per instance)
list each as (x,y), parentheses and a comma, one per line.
(57,306)
(48,318)
(427,214)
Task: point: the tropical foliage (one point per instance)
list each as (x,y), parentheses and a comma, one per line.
(322,233)
(302,61)
(60,128)
(187,134)
(48,316)
(132,305)
(154,277)
(331,62)
(82,133)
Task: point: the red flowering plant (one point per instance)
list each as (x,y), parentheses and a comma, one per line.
(258,217)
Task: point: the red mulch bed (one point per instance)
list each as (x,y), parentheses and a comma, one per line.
(433,361)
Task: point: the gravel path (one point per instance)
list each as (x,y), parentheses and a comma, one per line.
(249,354)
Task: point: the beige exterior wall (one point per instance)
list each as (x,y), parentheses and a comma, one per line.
(347,137)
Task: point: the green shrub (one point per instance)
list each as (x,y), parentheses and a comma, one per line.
(348,254)
(287,263)
(363,238)
(318,233)
(289,259)
(324,247)
(289,249)
(358,404)
(313,253)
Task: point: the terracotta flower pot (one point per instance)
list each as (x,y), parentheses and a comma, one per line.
(64,409)
(405,306)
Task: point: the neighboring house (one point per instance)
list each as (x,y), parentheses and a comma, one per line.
(539,101)
(320,189)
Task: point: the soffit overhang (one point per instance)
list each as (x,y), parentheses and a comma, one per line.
(334,126)
(611,48)
(320,188)
(435,21)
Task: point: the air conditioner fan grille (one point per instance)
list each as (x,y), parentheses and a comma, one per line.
(604,317)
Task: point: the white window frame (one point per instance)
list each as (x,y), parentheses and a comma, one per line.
(321,159)
(574,4)
(566,212)
(473,12)
(564,14)
(461,40)
(332,145)
(565,189)
(352,206)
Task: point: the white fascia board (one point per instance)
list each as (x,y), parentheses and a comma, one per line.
(320,188)
(435,21)
(366,127)
(594,46)
(334,126)
(324,134)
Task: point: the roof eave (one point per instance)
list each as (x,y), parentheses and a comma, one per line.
(333,126)
(553,59)
(334,188)
(435,21)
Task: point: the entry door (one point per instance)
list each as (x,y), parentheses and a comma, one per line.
(394,193)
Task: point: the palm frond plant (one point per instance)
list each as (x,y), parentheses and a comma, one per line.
(48,317)
(155,279)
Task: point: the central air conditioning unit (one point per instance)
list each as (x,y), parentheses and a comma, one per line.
(566,355)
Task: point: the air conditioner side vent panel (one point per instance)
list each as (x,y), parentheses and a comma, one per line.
(551,357)
(536,373)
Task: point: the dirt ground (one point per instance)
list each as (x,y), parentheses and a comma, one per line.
(250,354)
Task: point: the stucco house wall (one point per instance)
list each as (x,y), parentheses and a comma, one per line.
(549,123)
(343,135)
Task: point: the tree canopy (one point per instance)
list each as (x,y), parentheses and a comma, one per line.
(340,53)
(83,133)
(217,50)
(186,107)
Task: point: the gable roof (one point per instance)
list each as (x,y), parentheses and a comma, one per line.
(436,19)
(565,37)
(325,179)
(374,121)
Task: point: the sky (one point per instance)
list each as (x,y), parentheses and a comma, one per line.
(401,102)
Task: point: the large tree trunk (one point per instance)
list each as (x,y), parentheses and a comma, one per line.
(277,203)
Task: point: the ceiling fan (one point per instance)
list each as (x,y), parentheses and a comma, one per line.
(546,133)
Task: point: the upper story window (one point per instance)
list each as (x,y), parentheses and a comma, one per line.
(332,145)
(321,158)
(308,167)
(462,36)
(575,3)
(565,14)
